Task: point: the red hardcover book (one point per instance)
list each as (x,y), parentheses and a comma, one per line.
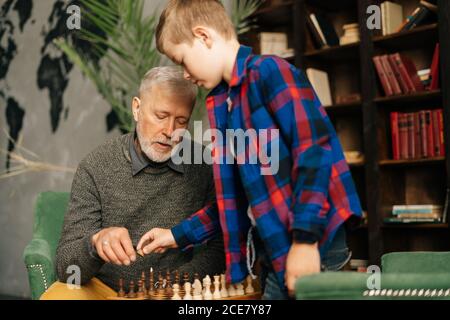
(410,128)
(436,142)
(434,72)
(398,75)
(417,141)
(395,136)
(390,74)
(429,129)
(441,132)
(382,76)
(409,72)
(403,133)
(423,134)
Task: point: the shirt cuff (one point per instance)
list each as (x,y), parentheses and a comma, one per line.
(300,236)
(181,237)
(91,249)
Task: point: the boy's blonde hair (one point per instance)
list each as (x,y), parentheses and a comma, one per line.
(180,16)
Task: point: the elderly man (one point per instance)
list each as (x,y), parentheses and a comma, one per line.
(128,186)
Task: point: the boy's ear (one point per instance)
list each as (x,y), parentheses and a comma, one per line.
(203,34)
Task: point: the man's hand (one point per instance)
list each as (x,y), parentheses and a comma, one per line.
(303,259)
(156,240)
(114,245)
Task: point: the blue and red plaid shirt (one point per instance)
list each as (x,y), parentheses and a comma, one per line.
(313,190)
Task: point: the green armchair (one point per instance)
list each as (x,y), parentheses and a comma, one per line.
(39,254)
(405,275)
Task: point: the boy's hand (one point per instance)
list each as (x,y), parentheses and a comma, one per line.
(156,240)
(303,259)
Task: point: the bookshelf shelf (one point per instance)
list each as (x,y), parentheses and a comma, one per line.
(414,38)
(276,15)
(344,108)
(412,162)
(347,51)
(424,96)
(415,226)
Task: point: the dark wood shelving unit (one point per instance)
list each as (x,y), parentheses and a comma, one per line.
(380,181)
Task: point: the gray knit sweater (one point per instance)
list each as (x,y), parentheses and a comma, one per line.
(106,194)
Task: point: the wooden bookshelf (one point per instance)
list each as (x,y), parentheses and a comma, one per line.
(380,181)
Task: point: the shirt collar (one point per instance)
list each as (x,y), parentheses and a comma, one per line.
(238,73)
(139,162)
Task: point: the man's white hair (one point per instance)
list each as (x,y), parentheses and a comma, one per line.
(169,78)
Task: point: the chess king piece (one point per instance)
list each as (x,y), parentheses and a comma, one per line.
(223,290)
(131,293)
(240,289)
(121,292)
(249,289)
(187,290)
(207,295)
(176,290)
(216,294)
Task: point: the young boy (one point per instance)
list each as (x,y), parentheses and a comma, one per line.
(299,210)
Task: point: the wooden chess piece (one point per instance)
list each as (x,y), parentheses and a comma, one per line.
(207,295)
(240,289)
(169,290)
(187,290)
(151,283)
(249,289)
(186,277)
(197,288)
(144,284)
(140,293)
(131,293)
(231,290)
(121,292)
(223,289)
(176,290)
(216,294)
(160,286)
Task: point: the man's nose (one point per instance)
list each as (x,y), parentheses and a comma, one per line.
(169,129)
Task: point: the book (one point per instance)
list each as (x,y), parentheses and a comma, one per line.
(402,82)
(273,43)
(434,72)
(410,130)
(416,207)
(436,215)
(403,135)
(430,134)
(317,38)
(436,134)
(408,19)
(417,137)
(411,220)
(423,134)
(382,76)
(395,136)
(325,29)
(441,132)
(410,71)
(419,17)
(390,75)
(392,17)
(321,85)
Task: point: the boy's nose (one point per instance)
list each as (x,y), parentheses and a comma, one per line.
(187,76)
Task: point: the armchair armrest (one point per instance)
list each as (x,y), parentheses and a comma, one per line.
(41,269)
(353,285)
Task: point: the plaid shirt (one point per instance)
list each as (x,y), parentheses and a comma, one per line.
(312,191)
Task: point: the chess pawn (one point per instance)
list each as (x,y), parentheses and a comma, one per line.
(249,289)
(240,289)
(131,293)
(223,290)
(216,294)
(197,289)
(151,283)
(121,292)
(187,290)
(176,290)
(140,293)
(232,290)
(207,288)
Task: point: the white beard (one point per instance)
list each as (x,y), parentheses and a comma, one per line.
(149,151)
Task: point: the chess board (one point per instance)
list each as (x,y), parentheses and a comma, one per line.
(171,288)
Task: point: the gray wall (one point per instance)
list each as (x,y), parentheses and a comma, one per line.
(80,126)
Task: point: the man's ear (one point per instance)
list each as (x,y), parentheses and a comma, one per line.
(203,34)
(135,108)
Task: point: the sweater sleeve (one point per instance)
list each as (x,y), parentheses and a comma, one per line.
(81,222)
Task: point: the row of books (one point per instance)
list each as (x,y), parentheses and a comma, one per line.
(322,30)
(275,43)
(417,135)
(398,74)
(417,214)
(392,19)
